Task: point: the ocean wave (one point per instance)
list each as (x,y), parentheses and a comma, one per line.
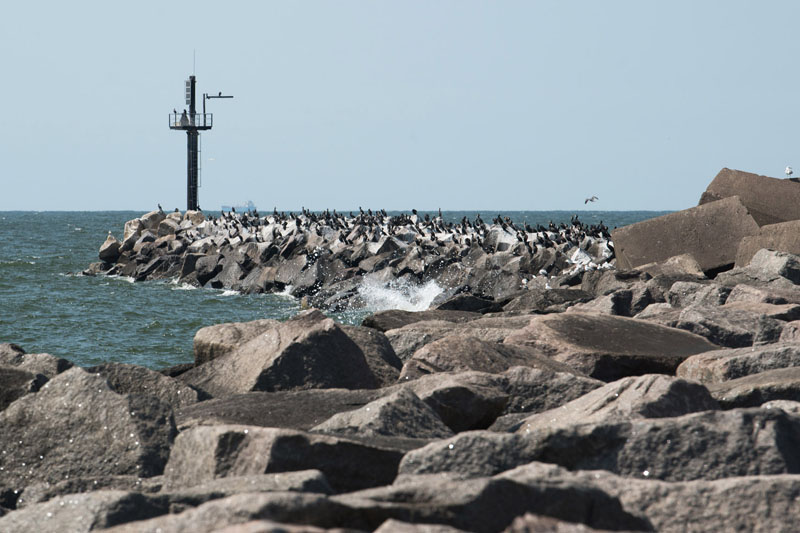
(398,294)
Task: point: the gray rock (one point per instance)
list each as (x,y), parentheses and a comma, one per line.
(761,504)
(686,293)
(215,341)
(378,352)
(282,507)
(533,390)
(110,249)
(77,426)
(203,453)
(755,389)
(410,338)
(133,379)
(307,351)
(648,396)
(765,294)
(464,400)
(722,365)
(531,523)
(609,347)
(396,526)
(730,326)
(458,353)
(544,300)
(490,327)
(43,491)
(400,414)
(490,504)
(36,363)
(15,383)
(300,410)
(779,270)
(710,232)
(706,445)
(788,406)
(769,200)
(77,513)
(468,302)
(395,318)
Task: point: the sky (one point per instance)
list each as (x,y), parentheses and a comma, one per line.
(459,105)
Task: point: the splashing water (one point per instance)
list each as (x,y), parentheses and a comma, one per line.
(398,294)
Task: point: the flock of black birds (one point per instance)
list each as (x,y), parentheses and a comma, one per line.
(422,229)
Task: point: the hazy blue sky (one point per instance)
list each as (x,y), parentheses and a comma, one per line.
(453,104)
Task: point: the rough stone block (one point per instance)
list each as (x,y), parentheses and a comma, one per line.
(783,237)
(769,200)
(710,233)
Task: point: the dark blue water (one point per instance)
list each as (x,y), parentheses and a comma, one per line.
(45,307)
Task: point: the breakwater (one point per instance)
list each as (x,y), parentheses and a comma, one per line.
(327,257)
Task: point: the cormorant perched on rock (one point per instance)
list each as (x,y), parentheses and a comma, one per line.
(159,209)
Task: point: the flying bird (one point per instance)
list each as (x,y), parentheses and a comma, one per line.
(592,199)
(789,172)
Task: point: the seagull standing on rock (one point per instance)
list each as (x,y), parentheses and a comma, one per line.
(789,172)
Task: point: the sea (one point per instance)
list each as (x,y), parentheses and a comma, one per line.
(46,305)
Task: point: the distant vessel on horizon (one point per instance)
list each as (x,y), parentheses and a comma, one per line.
(249,206)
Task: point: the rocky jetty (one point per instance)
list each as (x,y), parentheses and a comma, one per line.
(326,256)
(663,397)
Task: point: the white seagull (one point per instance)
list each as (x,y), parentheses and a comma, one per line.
(592,199)
(789,172)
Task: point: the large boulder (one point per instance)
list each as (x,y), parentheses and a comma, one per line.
(80,513)
(378,352)
(486,505)
(302,409)
(400,414)
(396,318)
(769,200)
(307,351)
(774,269)
(756,389)
(491,328)
(609,347)
(110,249)
(77,426)
(36,363)
(215,341)
(133,379)
(15,383)
(763,504)
(649,396)
(722,365)
(782,237)
(459,352)
(237,513)
(462,400)
(710,232)
(203,453)
(547,300)
(704,445)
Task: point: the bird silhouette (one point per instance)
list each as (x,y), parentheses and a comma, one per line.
(789,172)
(592,199)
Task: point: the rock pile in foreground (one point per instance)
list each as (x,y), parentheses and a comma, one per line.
(632,402)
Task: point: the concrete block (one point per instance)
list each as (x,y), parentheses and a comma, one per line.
(710,232)
(783,237)
(769,200)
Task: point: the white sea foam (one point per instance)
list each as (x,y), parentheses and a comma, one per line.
(287,291)
(122,278)
(229,292)
(398,294)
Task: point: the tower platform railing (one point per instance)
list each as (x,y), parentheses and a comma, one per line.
(189,121)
